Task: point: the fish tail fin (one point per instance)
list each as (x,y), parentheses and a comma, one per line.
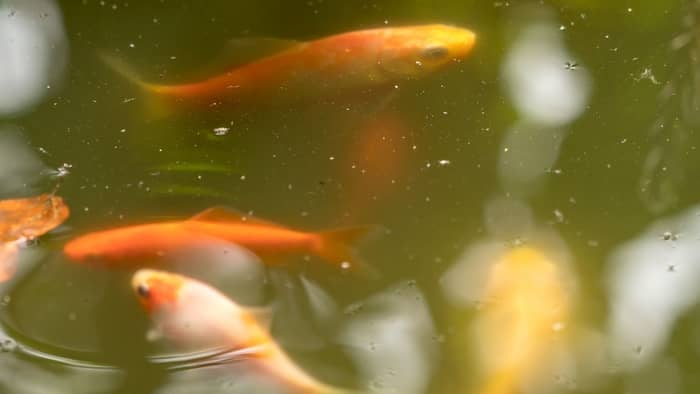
(337,246)
(155,105)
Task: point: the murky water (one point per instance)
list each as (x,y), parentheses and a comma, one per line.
(567,136)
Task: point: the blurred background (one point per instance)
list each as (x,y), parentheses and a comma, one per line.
(536,199)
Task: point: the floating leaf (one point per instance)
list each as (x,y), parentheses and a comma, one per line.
(25,219)
(29,218)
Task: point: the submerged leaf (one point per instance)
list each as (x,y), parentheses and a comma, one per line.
(29,218)
(25,219)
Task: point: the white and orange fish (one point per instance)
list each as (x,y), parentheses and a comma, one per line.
(195,316)
(327,67)
(133,245)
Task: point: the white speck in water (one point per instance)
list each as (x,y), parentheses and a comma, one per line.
(444,162)
(331,158)
(63,170)
(132,45)
(669,236)
(221,131)
(571,66)
(345,265)
(8,345)
(559,216)
(243,177)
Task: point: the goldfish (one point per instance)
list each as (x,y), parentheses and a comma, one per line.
(352,61)
(269,241)
(25,219)
(377,160)
(526,303)
(193,315)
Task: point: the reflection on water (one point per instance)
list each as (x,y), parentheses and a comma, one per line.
(653,281)
(391,338)
(550,89)
(20,166)
(33,48)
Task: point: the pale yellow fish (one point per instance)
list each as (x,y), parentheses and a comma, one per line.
(527,304)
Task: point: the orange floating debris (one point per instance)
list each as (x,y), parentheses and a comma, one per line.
(25,219)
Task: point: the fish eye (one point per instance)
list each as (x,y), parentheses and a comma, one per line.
(143,290)
(434,52)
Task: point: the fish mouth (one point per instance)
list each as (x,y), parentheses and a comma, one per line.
(465,44)
(141,278)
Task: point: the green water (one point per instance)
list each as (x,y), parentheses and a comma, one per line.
(571,119)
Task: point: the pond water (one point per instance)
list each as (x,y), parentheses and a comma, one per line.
(536,226)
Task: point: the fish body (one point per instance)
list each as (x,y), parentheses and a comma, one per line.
(269,241)
(325,67)
(176,303)
(526,303)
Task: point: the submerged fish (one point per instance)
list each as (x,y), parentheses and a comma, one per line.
(24,219)
(269,241)
(526,304)
(325,67)
(193,315)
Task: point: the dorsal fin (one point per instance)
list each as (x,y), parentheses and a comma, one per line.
(228,215)
(240,51)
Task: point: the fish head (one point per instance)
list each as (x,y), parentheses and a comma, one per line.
(157,291)
(413,51)
(192,314)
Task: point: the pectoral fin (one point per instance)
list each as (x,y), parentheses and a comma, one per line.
(229,215)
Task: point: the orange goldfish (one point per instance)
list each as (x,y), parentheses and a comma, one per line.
(378,158)
(193,315)
(268,241)
(357,60)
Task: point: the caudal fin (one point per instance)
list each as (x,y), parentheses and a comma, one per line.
(155,106)
(337,246)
